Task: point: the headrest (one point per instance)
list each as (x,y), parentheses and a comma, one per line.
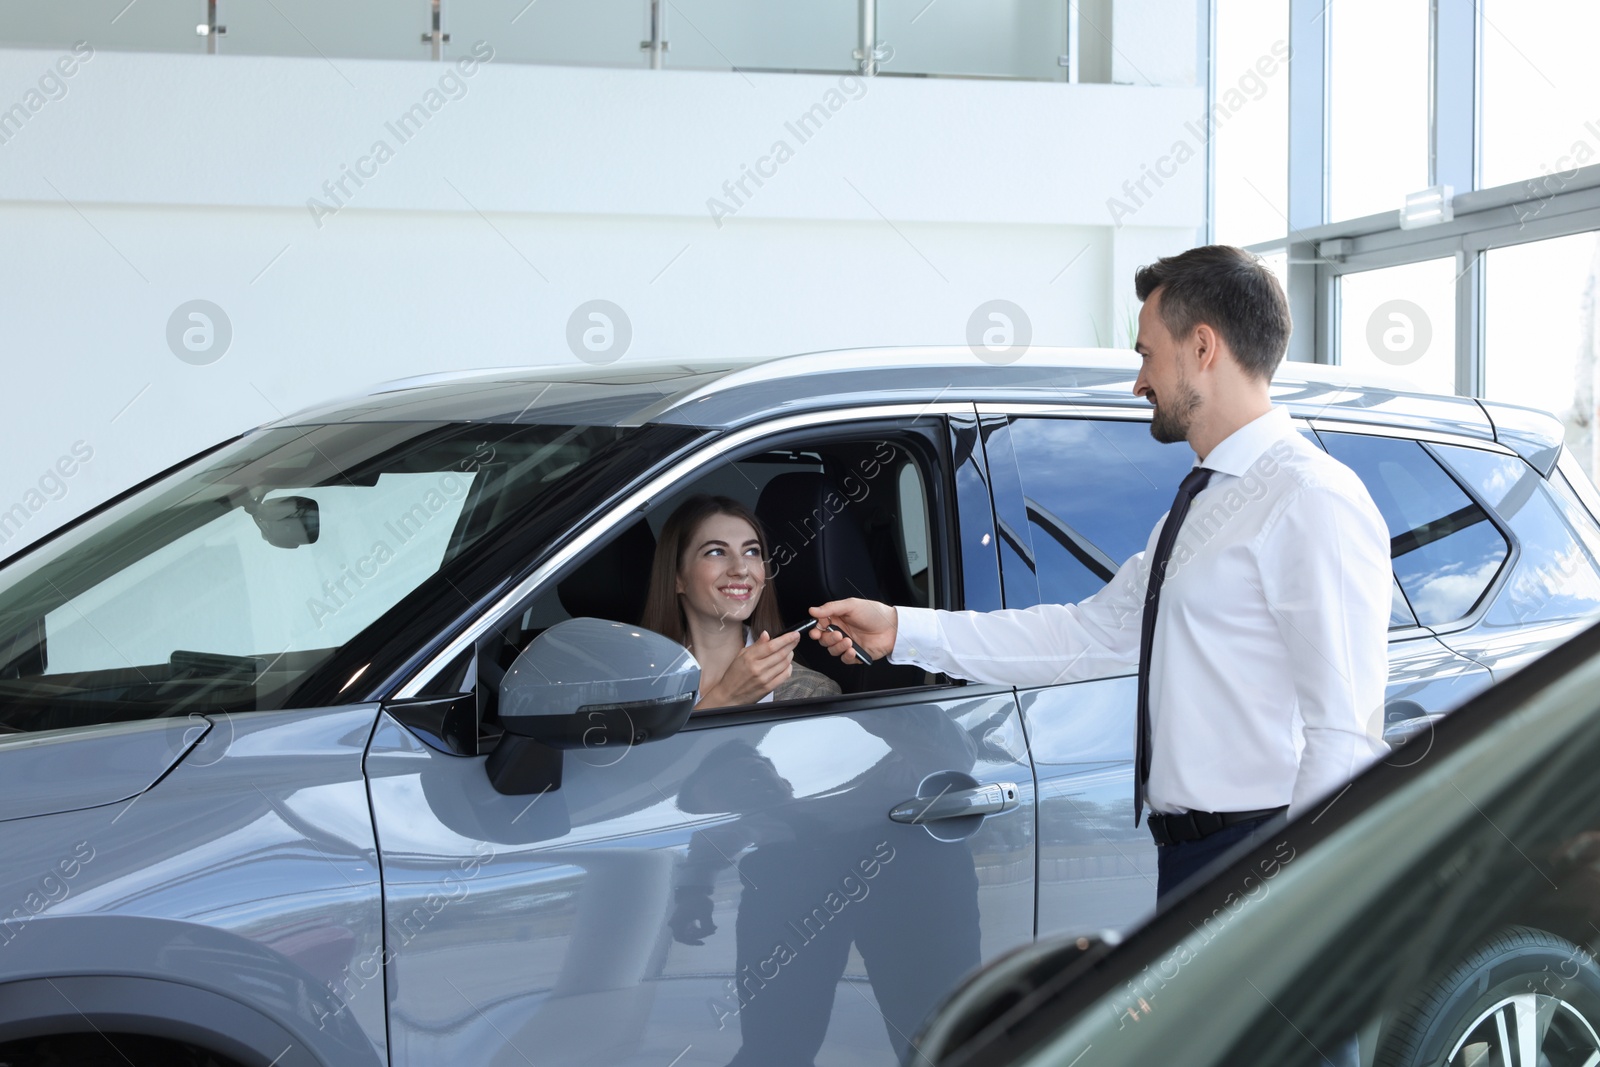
(613,583)
(818,550)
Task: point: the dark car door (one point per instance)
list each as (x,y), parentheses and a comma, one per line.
(751,889)
(1441,914)
(1092,485)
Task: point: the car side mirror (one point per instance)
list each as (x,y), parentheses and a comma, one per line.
(587,683)
(288,521)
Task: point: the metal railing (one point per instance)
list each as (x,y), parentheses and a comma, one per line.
(1007,39)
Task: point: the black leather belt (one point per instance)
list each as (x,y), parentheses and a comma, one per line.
(1184,826)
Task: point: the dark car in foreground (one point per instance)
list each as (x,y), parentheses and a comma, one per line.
(1444,911)
(341,743)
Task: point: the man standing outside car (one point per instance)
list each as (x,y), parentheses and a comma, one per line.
(1257,614)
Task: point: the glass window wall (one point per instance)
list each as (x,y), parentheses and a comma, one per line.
(1018,39)
(1378,104)
(1401,322)
(359,29)
(818,35)
(1251,123)
(1001,38)
(1539,331)
(1540,89)
(574,33)
(148,25)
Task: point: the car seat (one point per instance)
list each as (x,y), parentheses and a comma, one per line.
(819,555)
(614,582)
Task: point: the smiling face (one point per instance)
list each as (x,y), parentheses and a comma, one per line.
(721,574)
(1163,377)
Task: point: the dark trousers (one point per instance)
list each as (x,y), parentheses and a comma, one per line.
(1176,864)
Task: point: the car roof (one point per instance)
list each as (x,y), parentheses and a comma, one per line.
(720,395)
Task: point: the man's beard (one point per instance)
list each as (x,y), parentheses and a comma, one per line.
(1170,423)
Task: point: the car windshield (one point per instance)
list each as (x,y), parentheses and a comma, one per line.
(222,585)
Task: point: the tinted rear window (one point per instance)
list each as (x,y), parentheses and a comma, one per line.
(1554,577)
(1446,551)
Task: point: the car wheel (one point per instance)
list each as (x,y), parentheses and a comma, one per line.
(1524,999)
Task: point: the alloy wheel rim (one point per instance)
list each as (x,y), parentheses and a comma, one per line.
(1528,1030)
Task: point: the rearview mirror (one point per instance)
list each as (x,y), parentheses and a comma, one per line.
(288,521)
(591,684)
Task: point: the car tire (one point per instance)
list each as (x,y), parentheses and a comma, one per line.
(1523,989)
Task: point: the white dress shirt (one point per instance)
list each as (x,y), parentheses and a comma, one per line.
(1270,658)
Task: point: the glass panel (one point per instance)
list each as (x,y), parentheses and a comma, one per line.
(205,577)
(818,35)
(1402,321)
(1252,125)
(1540,83)
(1446,551)
(1554,577)
(1534,322)
(1005,38)
(223,585)
(1094,490)
(1153,42)
(372,29)
(575,33)
(1378,109)
(147,25)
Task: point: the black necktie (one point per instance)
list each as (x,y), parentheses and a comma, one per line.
(1191,485)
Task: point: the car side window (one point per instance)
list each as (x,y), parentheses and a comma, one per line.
(1445,548)
(846,517)
(1401,617)
(1554,576)
(1093,489)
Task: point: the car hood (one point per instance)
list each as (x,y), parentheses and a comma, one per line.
(85,767)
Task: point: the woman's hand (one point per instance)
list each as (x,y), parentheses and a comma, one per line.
(758,669)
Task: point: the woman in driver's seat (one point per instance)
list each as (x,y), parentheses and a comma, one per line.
(709,590)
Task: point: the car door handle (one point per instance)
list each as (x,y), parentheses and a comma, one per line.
(957,803)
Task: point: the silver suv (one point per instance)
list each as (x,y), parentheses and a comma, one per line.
(341,743)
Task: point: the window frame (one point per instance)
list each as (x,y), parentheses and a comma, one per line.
(1319,247)
(896,423)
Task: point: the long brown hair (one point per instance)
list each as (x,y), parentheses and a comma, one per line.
(663,612)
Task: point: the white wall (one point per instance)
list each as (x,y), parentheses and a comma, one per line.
(158,179)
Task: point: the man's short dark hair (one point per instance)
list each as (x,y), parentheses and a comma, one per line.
(1229,290)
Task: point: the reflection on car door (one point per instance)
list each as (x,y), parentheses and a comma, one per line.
(736,893)
(1091,491)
